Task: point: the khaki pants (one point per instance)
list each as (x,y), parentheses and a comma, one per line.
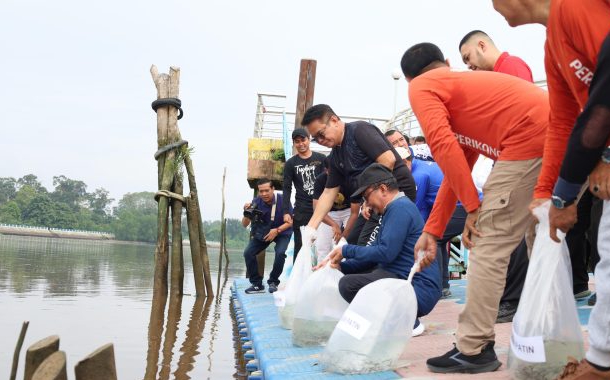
(503,220)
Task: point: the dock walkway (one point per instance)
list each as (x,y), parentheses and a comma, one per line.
(274,356)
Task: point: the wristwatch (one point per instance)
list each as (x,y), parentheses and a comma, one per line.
(606,155)
(560,203)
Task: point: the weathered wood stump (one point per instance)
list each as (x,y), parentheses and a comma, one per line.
(52,368)
(38,352)
(99,365)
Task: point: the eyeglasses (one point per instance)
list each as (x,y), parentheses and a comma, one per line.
(366,194)
(321,134)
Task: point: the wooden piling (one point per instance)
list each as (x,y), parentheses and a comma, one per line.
(38,352)
(52,368)
(192,209)
(99,365)
(24,329)
(307,84)
(177,273)
(196,216)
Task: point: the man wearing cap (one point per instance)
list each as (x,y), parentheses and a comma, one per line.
(459,114)
(391,254)
(300,170)
(355,146)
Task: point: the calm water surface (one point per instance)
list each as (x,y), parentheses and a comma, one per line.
(92,293)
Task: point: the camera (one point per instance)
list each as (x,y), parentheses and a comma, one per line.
(255,215)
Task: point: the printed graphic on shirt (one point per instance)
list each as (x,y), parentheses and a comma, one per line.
(308,176)
(582,72)
(487,150)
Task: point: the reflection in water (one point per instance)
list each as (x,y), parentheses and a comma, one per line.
(94,292)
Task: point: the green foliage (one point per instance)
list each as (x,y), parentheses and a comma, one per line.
(278,155)
(8,189)
(237,235)
(10,213)
(136,217)
(70,206)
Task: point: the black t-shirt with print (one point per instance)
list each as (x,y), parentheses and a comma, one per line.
(362,144)
(341,201)
(303,173)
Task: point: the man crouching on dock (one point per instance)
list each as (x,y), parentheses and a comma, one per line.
(391,254)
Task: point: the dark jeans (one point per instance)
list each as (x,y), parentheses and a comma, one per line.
(596,215)
(350,284)
(299,219)
(364,231)
(454,228)
(256,246)
(580,247)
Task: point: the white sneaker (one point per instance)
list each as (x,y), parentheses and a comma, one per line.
(417,331)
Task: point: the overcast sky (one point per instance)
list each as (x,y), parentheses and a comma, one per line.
(76,90)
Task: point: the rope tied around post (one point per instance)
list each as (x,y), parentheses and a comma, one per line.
(168,147)
(169,194)
(168,102)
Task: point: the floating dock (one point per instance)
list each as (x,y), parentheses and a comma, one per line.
(270,355)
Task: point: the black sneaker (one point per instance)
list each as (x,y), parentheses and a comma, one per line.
(592,300)
(272,288)
(255,289)
(506,312)
(456,362)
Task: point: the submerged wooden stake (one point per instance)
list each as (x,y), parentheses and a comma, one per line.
(99,365)
(38,352)
(52,368)
(24,329)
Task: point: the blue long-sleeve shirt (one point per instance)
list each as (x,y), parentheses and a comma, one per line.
(428,177)
(400,228)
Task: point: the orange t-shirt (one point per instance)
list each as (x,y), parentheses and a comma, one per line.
(575,31)
(467,113)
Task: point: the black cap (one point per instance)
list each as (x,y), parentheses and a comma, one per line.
(300,132)
(375,173)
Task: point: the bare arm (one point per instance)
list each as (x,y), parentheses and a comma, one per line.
(323,206)
(354,210)
(387,159)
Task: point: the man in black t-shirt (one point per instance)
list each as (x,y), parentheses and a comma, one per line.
(354,146)
(340,219)
(300,170)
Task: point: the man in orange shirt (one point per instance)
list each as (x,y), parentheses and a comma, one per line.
(479,52)
(463,115)
(577,57)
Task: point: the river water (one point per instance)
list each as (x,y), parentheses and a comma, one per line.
(91,293)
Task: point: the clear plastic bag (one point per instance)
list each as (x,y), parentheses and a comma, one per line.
(546,329)
(319,308)
(301,270)
(367,338)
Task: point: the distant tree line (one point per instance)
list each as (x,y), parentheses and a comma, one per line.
(26,201)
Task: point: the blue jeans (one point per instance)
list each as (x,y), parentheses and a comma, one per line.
(256,246)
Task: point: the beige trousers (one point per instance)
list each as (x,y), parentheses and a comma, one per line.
(503,220)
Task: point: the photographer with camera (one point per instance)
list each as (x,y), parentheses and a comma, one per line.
(267,218)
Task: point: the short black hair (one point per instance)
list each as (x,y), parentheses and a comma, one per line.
(469,35)
(418,56)
(420,139)
(317,112)
(390,132)
(263,181)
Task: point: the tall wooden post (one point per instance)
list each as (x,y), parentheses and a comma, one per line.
(307,84)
